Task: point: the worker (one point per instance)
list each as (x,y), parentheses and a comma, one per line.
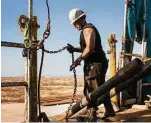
(95,61)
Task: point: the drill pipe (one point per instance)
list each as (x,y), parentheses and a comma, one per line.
(114,91)
(121,76)
(145,72)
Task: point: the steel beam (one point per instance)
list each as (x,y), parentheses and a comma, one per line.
(32,66)
(10,84)
(12,44)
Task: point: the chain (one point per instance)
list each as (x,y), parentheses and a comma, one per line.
(47,31)
(75,77)
(75,80)
(56,51)
(74,90)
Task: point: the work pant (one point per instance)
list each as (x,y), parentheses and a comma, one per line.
(94,76)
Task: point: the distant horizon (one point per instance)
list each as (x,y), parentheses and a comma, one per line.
(50,76)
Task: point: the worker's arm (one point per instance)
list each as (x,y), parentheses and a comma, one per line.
(89,36)
(78,49)
(72,49)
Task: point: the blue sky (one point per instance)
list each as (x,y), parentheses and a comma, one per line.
(106,15)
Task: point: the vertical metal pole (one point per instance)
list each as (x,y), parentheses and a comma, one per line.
(139,92)
(144,30)
(124,33)
(139,89)
(123,44)
(112,44)
(26,114)
(30,8)
(32,78)
(125,21)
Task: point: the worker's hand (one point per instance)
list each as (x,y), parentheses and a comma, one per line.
(76,63)
(70,48)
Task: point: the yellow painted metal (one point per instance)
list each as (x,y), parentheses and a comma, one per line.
(146,59)
(112,44)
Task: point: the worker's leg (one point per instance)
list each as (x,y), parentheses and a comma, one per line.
(92,107)
(90,85)
(109,111)
(101,80)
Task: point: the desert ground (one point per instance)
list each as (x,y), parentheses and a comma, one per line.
(54,91)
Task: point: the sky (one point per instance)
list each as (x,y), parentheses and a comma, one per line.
(106,15)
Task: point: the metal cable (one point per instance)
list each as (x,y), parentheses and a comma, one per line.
(40,71)
(47,31)
(48,9)
(40,44)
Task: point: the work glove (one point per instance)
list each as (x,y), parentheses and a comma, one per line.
(76,63)
(70,48)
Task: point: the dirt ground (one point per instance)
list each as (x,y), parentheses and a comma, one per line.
(54,90)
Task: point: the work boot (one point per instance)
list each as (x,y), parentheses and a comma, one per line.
(109,117)
(92,115)
(109,111)
(109,114)
(81,119)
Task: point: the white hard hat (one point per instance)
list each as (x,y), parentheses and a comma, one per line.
(75,14)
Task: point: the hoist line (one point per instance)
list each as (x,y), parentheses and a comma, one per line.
(47,31)
(48,9)
(42,57)
(39,78)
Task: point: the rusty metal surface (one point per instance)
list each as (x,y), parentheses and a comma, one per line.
(32,67)
(32,70)
(32,81)
(12,44)
(10,84)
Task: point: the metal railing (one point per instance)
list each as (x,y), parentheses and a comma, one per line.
(140,83)
(12,84)
(12,44)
